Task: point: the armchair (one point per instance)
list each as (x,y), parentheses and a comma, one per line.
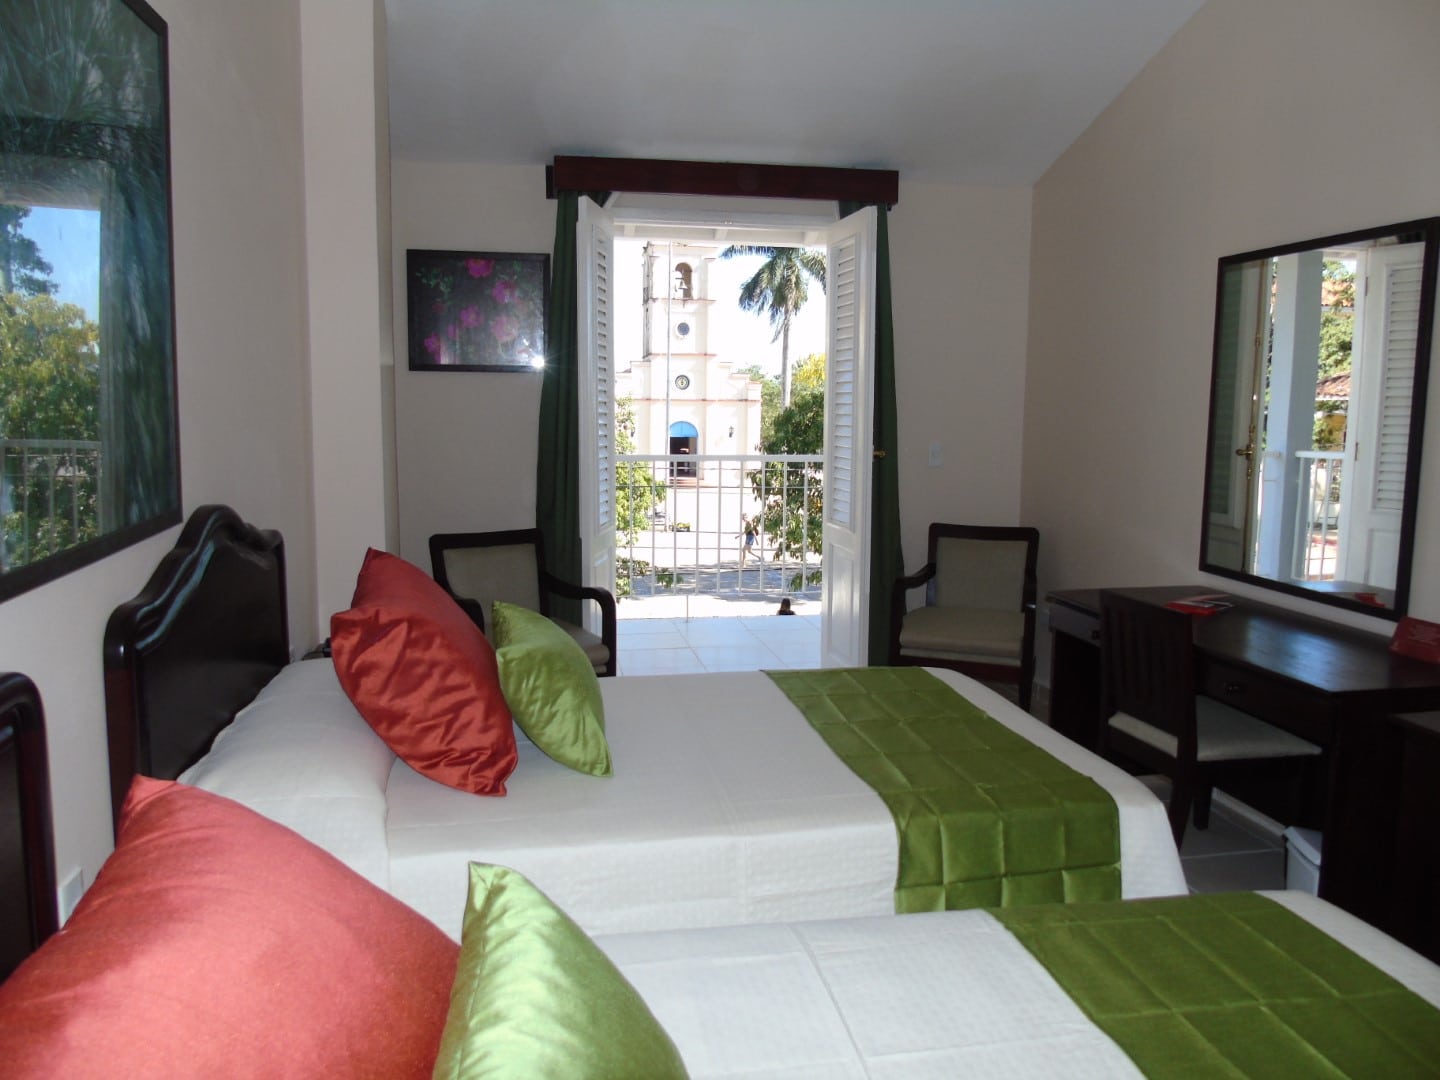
(481,567)
(979,611)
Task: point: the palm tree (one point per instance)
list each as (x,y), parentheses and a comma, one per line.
(779,289)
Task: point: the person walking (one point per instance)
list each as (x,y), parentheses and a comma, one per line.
(750,531)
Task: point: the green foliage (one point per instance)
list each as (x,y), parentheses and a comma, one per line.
(637,493)
(809,375)
(778,290)
(1337,332)
(49,389)
(1337,320)
(22,269)
(791,493)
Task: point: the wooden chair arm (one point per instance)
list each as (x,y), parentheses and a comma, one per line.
(608,631)
(897,605)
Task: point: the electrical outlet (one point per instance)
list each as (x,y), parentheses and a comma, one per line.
(70,893)
(934,455)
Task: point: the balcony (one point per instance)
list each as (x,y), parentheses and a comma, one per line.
(694,596)
(49,497)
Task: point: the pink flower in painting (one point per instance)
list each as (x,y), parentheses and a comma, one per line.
(432,345)
(438,307)
(505,327)
(470,317)
(504,291)
(479,267)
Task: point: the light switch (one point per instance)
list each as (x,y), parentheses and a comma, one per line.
(70,893)
(934,455)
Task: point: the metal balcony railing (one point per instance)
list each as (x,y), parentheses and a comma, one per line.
(1318,530)
(49,497)
(682,525)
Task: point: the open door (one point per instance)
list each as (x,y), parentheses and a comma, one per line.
(1377,444)
(849,441)
(595,252)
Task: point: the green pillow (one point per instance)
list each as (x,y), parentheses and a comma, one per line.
(551,689)
(535,998)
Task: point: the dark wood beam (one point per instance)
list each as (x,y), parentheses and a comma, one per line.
(722,178)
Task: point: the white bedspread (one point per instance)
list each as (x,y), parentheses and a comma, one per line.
(725,807)
(933,995)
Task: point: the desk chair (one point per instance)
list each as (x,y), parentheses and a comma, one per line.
(479,568)
(979,611)
(1152,714)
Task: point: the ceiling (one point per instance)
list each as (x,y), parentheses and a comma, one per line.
(974,92)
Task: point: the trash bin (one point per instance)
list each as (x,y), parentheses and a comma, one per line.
(1302,860)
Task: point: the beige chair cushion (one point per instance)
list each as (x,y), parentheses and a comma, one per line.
(953,633)
(591,644)
(1221,734)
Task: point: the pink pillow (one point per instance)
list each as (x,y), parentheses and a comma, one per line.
(424,677)
(217,943)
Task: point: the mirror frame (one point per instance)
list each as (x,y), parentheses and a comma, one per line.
(1429,230)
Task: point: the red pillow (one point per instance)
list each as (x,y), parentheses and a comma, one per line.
(215,942)
(424,677)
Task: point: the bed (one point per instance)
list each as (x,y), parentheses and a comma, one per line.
(944,994)
(726,808)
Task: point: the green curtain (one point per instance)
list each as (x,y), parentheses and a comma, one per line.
(557,461)
(887,561)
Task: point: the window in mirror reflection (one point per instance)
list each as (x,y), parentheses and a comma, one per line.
(1314,379)
(88,442)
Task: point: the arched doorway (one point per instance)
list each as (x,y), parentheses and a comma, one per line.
(684,439)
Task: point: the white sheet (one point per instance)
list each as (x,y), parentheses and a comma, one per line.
(725,807)
(934,995)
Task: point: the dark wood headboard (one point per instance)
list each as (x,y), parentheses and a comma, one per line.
(27,855)
(205,634)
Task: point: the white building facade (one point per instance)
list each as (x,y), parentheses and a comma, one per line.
(687,399)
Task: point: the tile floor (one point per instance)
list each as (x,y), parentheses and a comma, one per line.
(1237,851)
(754,641)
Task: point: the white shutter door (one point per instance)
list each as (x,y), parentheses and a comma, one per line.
(595,252)
(849,374)
(1378,440)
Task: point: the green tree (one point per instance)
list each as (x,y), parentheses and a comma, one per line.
(49,390)
(791,493)
(22,269)
(637,493)
(1337,333)
(779,289)
(769,400)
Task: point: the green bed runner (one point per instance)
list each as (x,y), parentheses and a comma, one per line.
(1230,985)
(985,818)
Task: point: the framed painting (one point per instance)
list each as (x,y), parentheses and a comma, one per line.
(89,436)
(477,310)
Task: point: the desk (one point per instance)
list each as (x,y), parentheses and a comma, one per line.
(1331,684)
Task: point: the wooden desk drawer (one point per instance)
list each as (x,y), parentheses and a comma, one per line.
(1285,706)
(1084,625)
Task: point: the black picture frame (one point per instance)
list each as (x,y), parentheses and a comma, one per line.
(85,124)
(477,310)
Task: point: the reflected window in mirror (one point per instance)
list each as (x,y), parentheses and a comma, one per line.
(1317,406)
(89,447)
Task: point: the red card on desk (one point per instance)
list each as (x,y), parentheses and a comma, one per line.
(1204,604)
(1418,639)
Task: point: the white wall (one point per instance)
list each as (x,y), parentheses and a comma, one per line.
(465,440)
(1258,124)
(960,264)
(239,262)
(346,232)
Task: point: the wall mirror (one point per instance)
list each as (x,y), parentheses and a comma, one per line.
(1317,411)
(89,445)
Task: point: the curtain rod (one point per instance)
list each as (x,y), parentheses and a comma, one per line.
(658,177)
